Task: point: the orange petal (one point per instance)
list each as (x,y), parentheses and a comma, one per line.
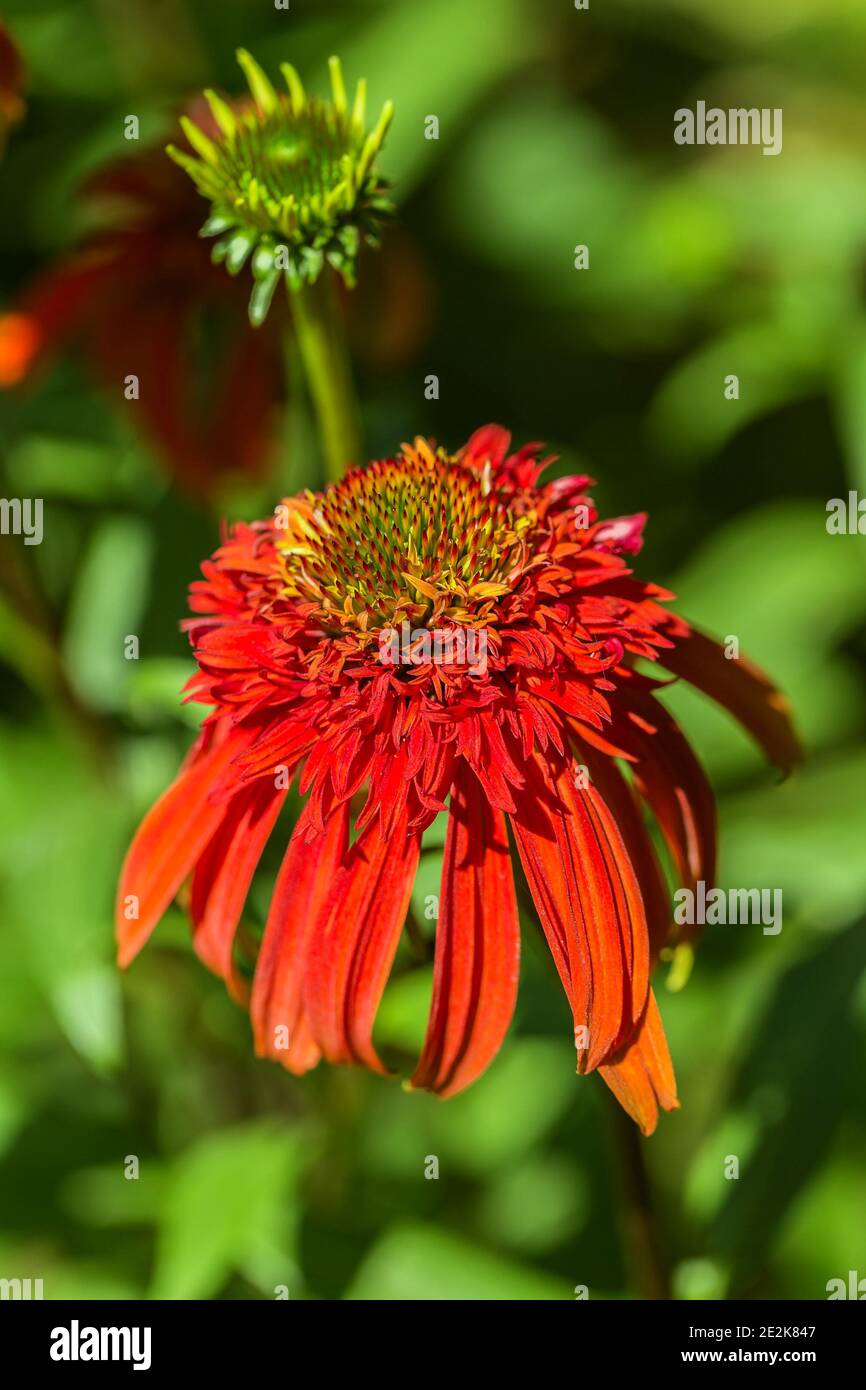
(641,1074)
(223,875)
(673,783)
(169,841)
(589,902)
(304,881)
(354,938)
(477,946)
(626,807)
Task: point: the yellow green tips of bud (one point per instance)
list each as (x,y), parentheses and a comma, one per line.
(359,110)
(196,170)
(222,114)
(259,83)
(185,161)
(338,86)
(203,147)
(381,128)
(375,140)
(295,86)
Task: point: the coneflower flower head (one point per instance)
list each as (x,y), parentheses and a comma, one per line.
(287,630)
(292,180)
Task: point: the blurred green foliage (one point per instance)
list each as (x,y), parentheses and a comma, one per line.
(555,130)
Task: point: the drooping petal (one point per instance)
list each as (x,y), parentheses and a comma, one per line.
(589,902)
(354,938)
(626,808)
(280,1025)
(169,841)
(641,1075)
(477,946)
(673,783)
(743,689)
(223,875)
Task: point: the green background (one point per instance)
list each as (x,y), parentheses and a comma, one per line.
(556,129)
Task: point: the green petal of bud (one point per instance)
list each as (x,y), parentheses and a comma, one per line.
(260,299)
(259,84)
(359,110)
(199,141)
(238,250)
(216,225)
(295,86)
(338,87)
(222,114)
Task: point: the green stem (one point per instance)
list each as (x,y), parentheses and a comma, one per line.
(321,341)
(638,1220)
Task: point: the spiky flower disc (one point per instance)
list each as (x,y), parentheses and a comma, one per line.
(291,180)
(417,538)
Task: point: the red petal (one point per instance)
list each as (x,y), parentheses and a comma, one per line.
(477,946)
(642,1076)
(355,938)
(627,810)
(169,841)
(670,778)
(488,444)
(304,880)
(743,689)
(223,875)
(589,901)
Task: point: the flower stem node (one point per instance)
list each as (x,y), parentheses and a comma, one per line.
(292,180)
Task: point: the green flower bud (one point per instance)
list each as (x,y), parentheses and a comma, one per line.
(291,179)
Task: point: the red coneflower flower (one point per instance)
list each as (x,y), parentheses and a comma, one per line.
(11,84)
(140,295)
(294,634)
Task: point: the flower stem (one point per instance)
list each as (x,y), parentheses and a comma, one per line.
(638,1218)
(321,342)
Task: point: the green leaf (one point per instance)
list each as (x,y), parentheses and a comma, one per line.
(88,1006)
(507,1112)
(413,1263)
(154,691)
(791,594)
(535,1205)
(468,50)
(850,403)
(402,1017)
(799,1092)
(106,607)
(226,1195)
(805,837)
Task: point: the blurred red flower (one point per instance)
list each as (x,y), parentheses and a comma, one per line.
(11,83)
(141,297)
